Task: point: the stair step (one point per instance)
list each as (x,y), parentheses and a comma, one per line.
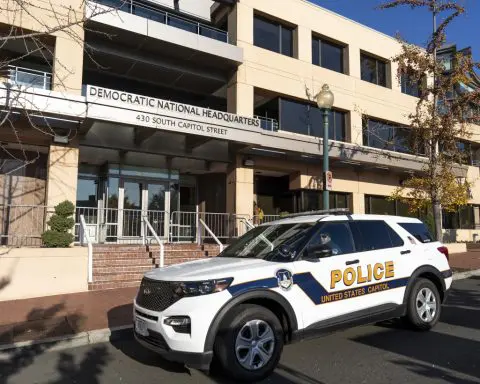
(140,255)
(121,269)
(115,248)
(97,286)
(121,276)
(125,262)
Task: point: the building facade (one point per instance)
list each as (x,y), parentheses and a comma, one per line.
(178,110)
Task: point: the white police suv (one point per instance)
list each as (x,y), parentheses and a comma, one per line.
(298,277)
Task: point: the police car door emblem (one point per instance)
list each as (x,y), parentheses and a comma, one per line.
(284,278)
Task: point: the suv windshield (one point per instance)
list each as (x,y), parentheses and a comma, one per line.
(270,242)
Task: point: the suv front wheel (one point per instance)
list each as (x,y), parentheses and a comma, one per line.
(249,343)
(424,305)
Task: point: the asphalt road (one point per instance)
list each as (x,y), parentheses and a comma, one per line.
(375,354)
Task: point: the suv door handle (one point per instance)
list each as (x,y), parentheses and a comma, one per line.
(405,252)
(352,262)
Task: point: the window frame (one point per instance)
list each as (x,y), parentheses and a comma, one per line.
(280,31)
(303,255)
(320,40)
(377,60)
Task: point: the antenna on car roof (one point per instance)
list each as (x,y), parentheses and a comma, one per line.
(336,211)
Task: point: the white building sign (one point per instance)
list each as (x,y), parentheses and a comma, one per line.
(164,114)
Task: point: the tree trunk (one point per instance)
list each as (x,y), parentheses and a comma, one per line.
(437,217)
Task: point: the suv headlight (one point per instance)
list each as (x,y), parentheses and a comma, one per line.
(198,288)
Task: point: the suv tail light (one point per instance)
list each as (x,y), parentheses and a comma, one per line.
(444,250)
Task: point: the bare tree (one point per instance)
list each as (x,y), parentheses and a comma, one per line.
(442,116)
(28,34)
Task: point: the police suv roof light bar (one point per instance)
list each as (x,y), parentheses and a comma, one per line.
(335,211)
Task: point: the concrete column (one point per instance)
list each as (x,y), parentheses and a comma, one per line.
(303,44)
(355,133)
(358,203)
(354,61)
(395,82)
(240,24)
(62,174)
(68,62)
(240,98)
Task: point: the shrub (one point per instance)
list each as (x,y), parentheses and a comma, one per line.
(61,223)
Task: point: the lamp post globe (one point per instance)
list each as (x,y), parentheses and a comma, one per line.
(325,100)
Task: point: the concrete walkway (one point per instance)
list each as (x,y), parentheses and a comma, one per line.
(65,316)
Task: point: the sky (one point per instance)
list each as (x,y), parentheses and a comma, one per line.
(413,25)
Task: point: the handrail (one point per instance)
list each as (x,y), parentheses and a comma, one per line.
(162,247)
(262,237)
(212,234)
(83,233)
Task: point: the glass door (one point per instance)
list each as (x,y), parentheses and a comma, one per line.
(157,198)
(131,211)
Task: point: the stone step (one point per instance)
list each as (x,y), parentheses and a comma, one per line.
(120,276)
(97,286)
(120,269)
(124,262)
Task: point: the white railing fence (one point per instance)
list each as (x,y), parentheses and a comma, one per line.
(149,229)
(212,234)
(84,236)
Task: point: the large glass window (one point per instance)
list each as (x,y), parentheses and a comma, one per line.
(380,205)
(373,70)
(273,36)
(307,119)
(409,85)
(389,136)
(463,218)
(327,55)
(313,200)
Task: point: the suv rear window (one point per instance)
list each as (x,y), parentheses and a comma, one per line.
(419,231)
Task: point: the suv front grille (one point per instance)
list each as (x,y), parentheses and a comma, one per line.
(155,339)
(156,295)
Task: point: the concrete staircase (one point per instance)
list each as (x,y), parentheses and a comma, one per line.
(119,266)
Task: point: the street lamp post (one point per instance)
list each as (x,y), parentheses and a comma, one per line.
(325,101)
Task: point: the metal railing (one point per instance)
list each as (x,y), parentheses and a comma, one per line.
(112,225)
(30,77)
(212,234)
(149,228)
(268,124)
(262,219)
(149,11)
(85,236)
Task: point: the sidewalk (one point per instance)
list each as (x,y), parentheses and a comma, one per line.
(68,315)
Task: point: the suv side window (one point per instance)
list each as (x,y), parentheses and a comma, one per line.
(334,237)
(371,235)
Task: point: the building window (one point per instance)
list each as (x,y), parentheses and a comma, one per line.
(409,85)
(373,70)
(273,36)
(327,55)
(389,136)
(306,119)
(380,205)
(463,218)
(311,200)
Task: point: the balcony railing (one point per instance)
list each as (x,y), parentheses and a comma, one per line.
(30,77)
(268,124)
(153,13)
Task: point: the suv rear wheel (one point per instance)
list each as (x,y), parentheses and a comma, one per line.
(249,343)
(424,305)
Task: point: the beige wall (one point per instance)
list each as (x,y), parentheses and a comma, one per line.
(35,272)
(62,174)
(55,15)
(289,76)
(240,189)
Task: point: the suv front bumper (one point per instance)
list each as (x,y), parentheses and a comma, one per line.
(156,342)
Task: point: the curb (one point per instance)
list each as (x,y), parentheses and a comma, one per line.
(466,274)
(70,341)
(115,333)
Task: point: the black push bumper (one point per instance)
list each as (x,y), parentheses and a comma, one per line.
(156,343)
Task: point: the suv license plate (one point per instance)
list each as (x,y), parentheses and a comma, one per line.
(141,327)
